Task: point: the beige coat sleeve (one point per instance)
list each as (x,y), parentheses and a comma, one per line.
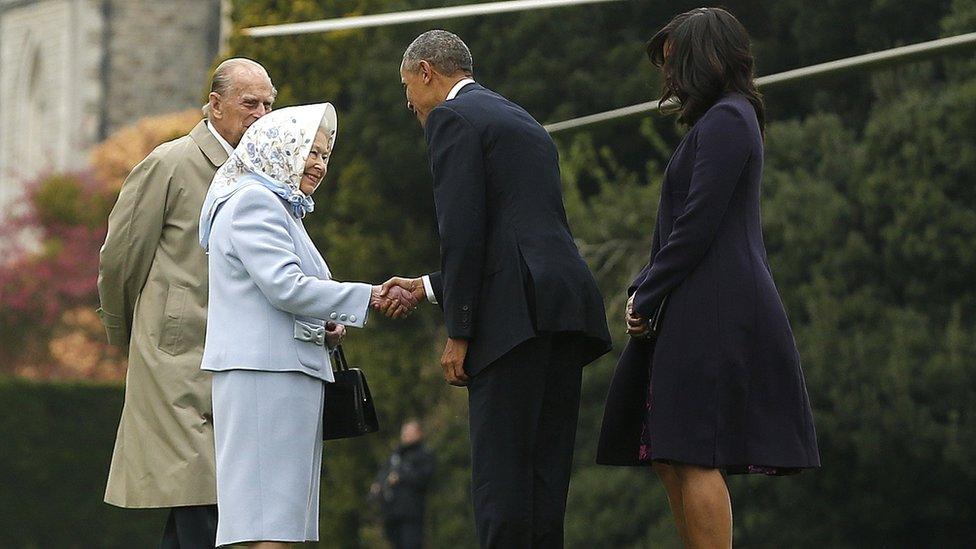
(134,228)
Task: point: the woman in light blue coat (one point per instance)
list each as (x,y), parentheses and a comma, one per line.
(274,311)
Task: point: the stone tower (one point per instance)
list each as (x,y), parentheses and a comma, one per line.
(72,71)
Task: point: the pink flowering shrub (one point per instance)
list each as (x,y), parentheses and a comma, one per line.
(48,276)
(49,247)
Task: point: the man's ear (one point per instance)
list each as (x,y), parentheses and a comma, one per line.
(426,72)
(215,106)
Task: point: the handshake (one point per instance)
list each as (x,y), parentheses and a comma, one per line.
(398,297)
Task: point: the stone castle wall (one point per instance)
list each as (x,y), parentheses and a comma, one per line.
(73,71)
(159,56)
(50,91)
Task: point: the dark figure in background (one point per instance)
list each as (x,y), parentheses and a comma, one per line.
(720,391)
(401,488)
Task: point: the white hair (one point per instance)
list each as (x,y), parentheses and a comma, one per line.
(222,81)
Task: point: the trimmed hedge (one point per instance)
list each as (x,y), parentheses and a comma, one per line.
(55,447)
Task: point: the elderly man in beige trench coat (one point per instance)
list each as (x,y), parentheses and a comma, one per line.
(153,289)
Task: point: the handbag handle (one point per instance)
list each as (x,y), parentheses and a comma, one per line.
(341,358)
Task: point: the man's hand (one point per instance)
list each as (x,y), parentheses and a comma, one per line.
(413,286)
(452,361)
(394,302)
(408,292)
(636,325)
(334,334)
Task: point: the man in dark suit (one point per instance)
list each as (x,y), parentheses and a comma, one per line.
(523,311)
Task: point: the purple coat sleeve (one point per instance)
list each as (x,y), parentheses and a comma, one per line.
(638,279)
(721,152)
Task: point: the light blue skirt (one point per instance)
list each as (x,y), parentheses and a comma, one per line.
(268,435)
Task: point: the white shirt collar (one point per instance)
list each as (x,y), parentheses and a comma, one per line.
(220,139)
(457,87)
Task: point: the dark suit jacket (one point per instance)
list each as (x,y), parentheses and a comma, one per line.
(726,388)
(509,266)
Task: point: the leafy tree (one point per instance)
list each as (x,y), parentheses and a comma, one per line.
(114,158)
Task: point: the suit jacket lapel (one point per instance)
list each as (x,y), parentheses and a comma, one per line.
(211,148)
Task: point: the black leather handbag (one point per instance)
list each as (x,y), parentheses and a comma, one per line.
(349,410)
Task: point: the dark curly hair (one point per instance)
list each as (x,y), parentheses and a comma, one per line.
(704,53)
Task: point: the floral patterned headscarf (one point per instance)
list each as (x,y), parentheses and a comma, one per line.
(272,153)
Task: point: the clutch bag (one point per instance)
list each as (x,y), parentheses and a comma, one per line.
(654,325)
(656,320)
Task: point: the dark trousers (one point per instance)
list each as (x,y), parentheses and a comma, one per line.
(405,533)
(523,412)
(191,527)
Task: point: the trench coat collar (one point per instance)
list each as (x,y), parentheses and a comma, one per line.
(211,148)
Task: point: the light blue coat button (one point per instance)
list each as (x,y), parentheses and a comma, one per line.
(333,316)
(342,317)
(352,318)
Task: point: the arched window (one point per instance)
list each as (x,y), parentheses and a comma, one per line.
(32,149)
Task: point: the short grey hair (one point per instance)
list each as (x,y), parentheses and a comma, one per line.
(222,80)
(444,50)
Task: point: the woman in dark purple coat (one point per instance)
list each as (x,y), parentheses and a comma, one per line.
(718,389)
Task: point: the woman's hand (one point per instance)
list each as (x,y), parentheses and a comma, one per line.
(393,302)
(636,325)
(334,333)
(414,287)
